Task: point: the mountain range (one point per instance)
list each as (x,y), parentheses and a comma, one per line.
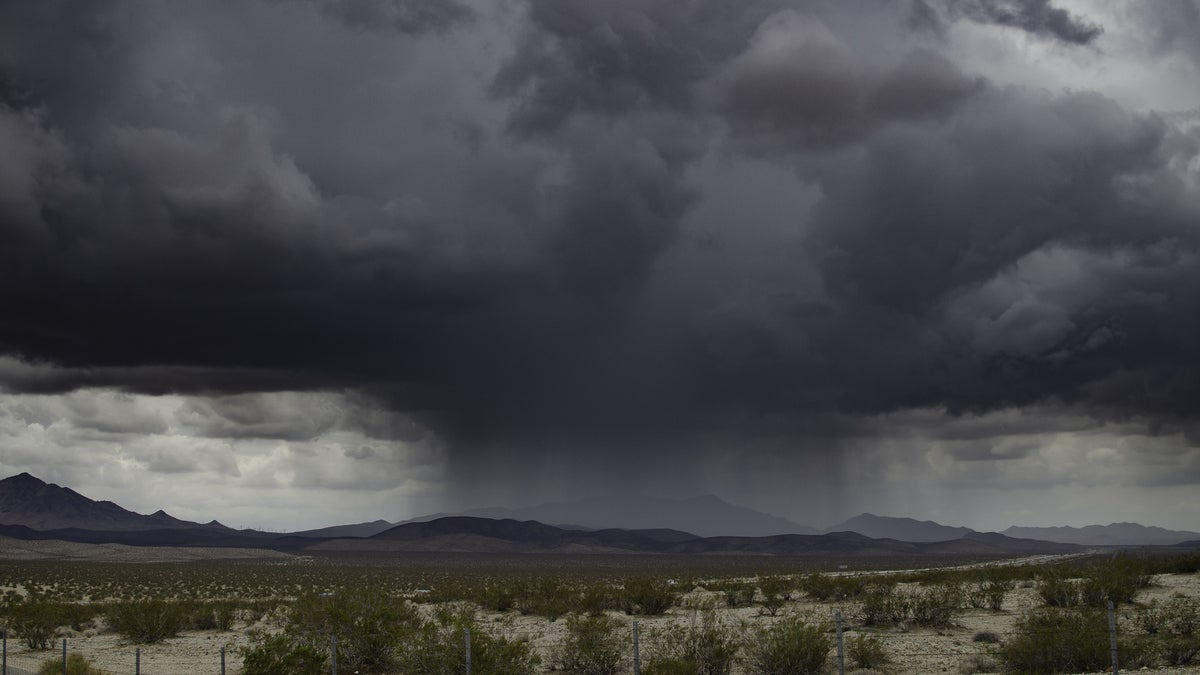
(1116,534)
(29,501)
(31,509)
(706,516)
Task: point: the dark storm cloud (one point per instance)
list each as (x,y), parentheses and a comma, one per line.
(615,57)
(1038,17)
(511,249)
(798,86)
(411,17)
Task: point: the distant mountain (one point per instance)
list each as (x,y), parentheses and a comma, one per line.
(706,516)
(485,535)
(903,529)
(356,530)
(29,501)
(1116,534)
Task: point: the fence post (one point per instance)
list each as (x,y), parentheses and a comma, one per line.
(837,617)
(4,662)
(137,661)
(64,668)
(1112,635)
(222,659)
(467,637)
(333,652)
(637,658)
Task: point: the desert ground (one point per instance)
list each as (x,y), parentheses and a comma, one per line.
(949,649)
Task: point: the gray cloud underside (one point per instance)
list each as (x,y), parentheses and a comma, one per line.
(548,219)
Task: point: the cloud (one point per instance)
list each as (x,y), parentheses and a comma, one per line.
(1037,17)
(410,17)
(565,233)
(799,86)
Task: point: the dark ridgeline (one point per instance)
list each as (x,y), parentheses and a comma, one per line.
(31,509)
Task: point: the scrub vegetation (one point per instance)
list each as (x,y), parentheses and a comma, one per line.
(703,616)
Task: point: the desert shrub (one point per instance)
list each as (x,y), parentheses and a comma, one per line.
(1058,641)
(1057,590)
(646,595)
(1179,650)
(438,647)
(990,594)
(548,598)
(368,626)
(594,645)
(1181,615)
(705,649)
(883,606)
(824,587)
(978,663)
(986,637)
(1177,564)
(775,591)
(35,622)
(279,655)
(596,599)
(211,615)
(789,646)
(735,593)
(867,651)
(1151,619)
(77,664)
(933,606)
(147,621)
(1116,579)
(498,598)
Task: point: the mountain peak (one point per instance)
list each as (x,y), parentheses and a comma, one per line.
(903,529)
(24,480)
(31,502)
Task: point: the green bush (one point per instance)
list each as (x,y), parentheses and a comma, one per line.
(1179,650)
(1058,591)
(823,587)
(647,596)
(881,605)
(705,649)
(548,598)
(147,621)
(933,606)
(279,655)
(867,651)
(596,599)
(1181,616)
(368,626)
(594,645)
(35,622)
(211,615)
(77,664)
(789,646)
(1059,641)
(498,598)
(438,647)
(775,591)
(1116,579)
(990,594)
(738,594)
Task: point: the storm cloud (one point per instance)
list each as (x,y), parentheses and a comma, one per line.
(563,234)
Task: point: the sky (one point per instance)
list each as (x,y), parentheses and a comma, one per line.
(294,263)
